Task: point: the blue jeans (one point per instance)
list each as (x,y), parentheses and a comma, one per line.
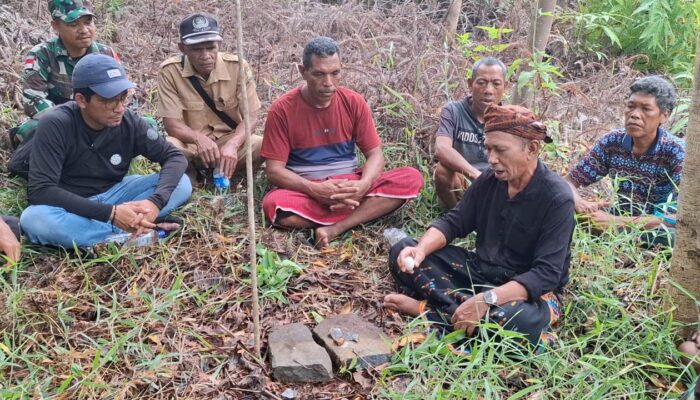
(50,225)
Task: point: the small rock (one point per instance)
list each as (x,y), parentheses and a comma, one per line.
(295,357)
(290,394)
(337,335)
(371,348)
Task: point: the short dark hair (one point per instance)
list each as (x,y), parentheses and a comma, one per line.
(487,62)
(86,92)
(321,46)
(659,87)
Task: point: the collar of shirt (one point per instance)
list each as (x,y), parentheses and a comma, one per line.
(220,72)
(532,188)
(653,149)
(61,51)
(468,108)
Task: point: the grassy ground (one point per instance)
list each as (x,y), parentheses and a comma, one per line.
(173,321)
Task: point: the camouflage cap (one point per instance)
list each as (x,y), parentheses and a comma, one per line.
(68,10)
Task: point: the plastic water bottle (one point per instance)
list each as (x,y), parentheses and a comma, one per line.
(394,235)
(220,181)
(145,239)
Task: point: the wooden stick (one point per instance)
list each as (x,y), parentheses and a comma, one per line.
(252,242)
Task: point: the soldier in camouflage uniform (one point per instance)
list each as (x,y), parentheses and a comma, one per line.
(46,80)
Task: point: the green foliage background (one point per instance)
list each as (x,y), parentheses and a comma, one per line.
(663,30)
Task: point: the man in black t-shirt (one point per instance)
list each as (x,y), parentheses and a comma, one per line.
(459,141)
(523,216)
(78,188)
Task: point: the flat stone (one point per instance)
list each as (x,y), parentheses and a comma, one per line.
(295,357)
(363,341)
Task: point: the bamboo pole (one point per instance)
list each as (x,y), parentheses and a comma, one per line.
(250,187)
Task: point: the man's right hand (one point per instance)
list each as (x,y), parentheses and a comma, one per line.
(589,207)
(416,253)
(9,244)
(207,151)
(130,217)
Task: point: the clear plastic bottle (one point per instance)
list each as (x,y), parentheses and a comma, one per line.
(220,181)
(394,235)
(145,239)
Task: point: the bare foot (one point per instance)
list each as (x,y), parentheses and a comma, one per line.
(692,349)
(403,304)
(324,235)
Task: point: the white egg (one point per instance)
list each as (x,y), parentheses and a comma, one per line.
(409,263)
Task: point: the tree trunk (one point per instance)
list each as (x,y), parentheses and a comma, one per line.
(452,19)
(685,265)
(537,41)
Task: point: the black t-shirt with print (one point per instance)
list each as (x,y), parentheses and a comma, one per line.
(70,161)
(459,123)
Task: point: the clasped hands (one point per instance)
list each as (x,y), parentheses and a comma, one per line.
(136,216)
(467,316)
(211,156)
(340,194)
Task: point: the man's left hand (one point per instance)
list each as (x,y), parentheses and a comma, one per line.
(229,159)
(469,313)
(361,188)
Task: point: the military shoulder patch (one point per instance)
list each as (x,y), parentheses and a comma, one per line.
(229,57)
(172,60)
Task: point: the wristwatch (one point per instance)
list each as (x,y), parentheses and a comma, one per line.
(490,298)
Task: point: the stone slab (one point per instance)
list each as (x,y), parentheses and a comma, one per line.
(295,357)
(362,340)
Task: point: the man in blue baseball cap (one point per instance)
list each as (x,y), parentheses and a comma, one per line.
(78,188)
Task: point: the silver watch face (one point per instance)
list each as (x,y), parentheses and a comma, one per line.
(490,297)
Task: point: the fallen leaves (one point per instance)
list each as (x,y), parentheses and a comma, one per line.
(413,338)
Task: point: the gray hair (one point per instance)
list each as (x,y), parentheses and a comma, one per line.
(487,62)
(660,88)
(321,46)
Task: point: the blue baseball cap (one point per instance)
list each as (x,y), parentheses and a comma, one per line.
(102,74)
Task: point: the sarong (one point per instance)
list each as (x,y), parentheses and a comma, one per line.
(398,183)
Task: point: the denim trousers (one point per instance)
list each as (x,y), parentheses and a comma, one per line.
(49,225)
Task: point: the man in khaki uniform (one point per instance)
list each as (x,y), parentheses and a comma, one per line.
(207,140)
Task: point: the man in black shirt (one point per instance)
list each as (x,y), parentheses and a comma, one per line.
(523,216)
(459,140)
(78,188)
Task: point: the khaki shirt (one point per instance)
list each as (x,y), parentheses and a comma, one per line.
(178,98)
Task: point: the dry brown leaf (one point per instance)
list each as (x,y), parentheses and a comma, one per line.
(679,388)
(346,255)
(360,378)
(223,239)
(156,340)
(319,263)
(657,382)
(346,309)
(413,338)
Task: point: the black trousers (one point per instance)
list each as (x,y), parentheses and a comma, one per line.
(451,275)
